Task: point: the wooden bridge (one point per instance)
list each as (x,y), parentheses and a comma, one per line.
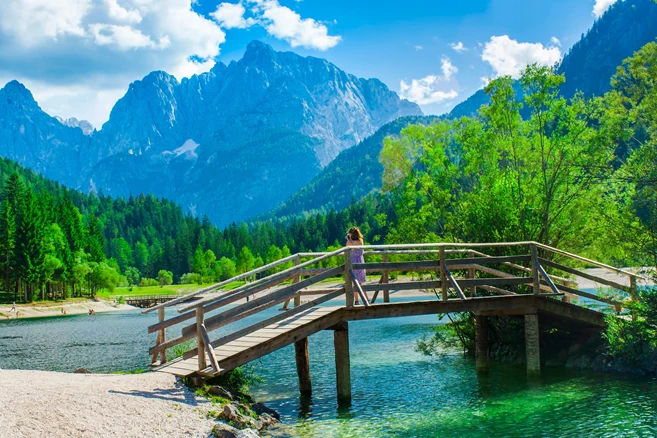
(147,301)
(535,281)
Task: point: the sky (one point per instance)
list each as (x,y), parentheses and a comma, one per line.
(79,56)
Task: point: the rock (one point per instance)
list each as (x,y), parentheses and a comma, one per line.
(260,409)
(82,371)
(266,421)
(219,391)
(231,414)
(247,433)
(223,430)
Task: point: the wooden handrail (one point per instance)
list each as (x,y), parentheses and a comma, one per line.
(473,260)
(221,284)
(292,270)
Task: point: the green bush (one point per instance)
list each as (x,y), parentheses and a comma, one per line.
(120,300)
(240,379)
(632,339)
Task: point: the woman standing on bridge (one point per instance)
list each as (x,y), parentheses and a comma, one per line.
(355,238)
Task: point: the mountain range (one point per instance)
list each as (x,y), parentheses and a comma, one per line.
(230,143)
(273,134)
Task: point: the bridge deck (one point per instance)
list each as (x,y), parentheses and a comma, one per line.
(275,336)
(260,342)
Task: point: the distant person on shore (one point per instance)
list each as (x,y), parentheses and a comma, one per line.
(13,307)
(92,312)
(355,238)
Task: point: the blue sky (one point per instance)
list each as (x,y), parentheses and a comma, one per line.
(78,56)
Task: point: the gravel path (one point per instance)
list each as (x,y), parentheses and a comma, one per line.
(49,404)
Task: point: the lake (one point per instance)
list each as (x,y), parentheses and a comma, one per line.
(396,391)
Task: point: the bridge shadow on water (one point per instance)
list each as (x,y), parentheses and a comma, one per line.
(179,394)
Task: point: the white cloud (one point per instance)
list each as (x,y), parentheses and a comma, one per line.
(427,90)
(418,48)
(601,7)
(122,14)
(458,47)
(231,15)
(554,40)
(509,57)
(124,37)
(96,47)
(283,23)
(32,21)
(424,91)
(448,68)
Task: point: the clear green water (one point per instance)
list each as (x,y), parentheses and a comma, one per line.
(396,391)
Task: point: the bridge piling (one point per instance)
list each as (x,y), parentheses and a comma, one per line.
(481,340)
(303,366)
(532,345)
(342,362)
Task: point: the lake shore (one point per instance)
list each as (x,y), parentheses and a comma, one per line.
(52,309)
(43,403)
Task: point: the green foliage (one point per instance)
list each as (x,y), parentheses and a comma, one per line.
(146,282)
(240,379)
(458,334)
(164,277)
(633,340)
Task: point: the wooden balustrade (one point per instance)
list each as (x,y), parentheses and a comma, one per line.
(457,267)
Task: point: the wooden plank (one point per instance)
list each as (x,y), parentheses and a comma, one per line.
(199,339)
(443,274)
(266,301)
(359,289)
(582,274)
(588,295)
(495,281)
(385,280)
(221,284)
(209,350)
(590,262)
(503,274)
(455,285)
(546,277)
(433,307)
(431,284)
(497,290)
(487,260)
(421,265)
(274,319)
(278,342)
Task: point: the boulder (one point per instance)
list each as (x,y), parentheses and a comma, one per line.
(223,430)
(231,414)
(219,391)
(247,433)
(260,409)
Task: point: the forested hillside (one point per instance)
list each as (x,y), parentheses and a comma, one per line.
(56,242)
(355,173)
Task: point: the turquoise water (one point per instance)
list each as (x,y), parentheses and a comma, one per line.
(396,391)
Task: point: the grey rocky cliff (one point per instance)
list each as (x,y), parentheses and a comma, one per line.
(231,143)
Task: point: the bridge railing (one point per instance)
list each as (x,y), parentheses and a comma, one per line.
(455,271)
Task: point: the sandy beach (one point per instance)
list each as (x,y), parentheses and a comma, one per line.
(39,310)
(49,404)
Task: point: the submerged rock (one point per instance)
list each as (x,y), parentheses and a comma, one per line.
(261,409)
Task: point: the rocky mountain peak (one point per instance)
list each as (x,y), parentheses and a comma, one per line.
(15,94)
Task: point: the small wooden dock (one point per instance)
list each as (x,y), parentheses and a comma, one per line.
(461,277)
(147,301)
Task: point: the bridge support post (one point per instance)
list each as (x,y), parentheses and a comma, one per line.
(162,336)
(532,345)
(443,274)
(202,364)
(297,278)
(348,283)
(303,366)
(384,280)
(481,340)
(342,364)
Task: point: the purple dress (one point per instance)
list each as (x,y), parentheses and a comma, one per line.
(357,257)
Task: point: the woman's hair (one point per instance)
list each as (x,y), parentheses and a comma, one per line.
(355,233)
